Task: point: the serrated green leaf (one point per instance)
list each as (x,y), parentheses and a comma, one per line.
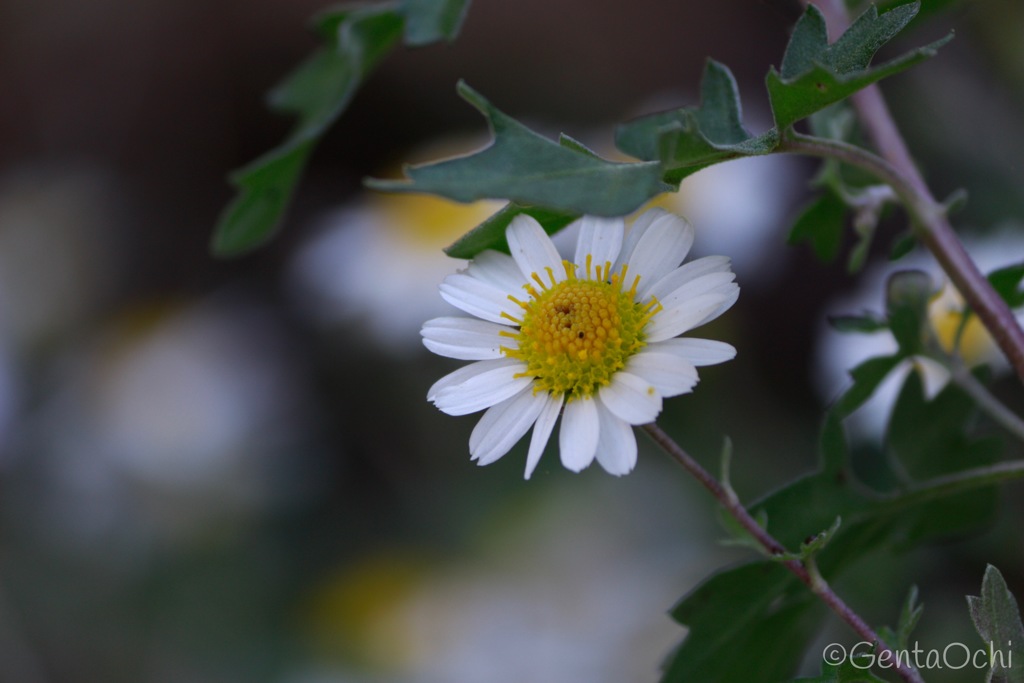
(431,21)
(865,231)
(491,233)
(807,46)
(866,378)
(750,589)
(521,166)
(322,86)
(858,324)
(821,223)
(317,92)
(758,609)
(909,616)
(572,143)
(854,669)
(732,609)
(859,43)
(1007,283)
(929,439)
(817,543)
(738,535)
(815,75)
(835,122)
(956,201)
(356,39)
(688,139)
(997,619)
(902,245)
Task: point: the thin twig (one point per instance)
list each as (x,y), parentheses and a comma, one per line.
(958,482)
(814,581)
(988,403)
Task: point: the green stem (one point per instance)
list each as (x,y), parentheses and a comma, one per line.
(959,482)
(808,576)
(988,403)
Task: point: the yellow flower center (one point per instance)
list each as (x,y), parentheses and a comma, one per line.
(976,345)
(574,335)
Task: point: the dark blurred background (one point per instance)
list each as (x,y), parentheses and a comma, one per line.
(221,470)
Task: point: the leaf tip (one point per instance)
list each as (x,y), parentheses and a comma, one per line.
(386,185)
(470,95)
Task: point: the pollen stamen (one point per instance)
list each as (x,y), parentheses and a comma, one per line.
(577,333)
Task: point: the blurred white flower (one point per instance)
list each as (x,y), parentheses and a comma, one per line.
(597,336)
(570,585)
(840,352)
(371,261)
(370,264)
(740,208)
(169,420)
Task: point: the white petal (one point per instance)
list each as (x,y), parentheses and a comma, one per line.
(934,375)
(499,270)
(688,271)
(704,284)
(457,377)
(478,385)
(542,430)
(478,298)
(636,231)
(631,398)
(616,448)
(731,293)
(577,439)
(670,374)
(466,338)
(686,315)
(599,238)
(533,250)
(503,425)
(660,250)
(698,351)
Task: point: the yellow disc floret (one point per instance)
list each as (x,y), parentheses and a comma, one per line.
(574,335)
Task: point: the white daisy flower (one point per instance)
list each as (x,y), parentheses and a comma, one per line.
(594,339)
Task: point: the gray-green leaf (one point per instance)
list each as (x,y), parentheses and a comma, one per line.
(526,168)
(997,619)
(688,139)
(815,74)
(431,21)
(491,233)
(317,92)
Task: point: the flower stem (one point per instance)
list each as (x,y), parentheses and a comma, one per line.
(958,482)
(929,216)
(988,403)
(813,580)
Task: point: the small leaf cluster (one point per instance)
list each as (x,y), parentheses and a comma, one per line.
(996,617)
(762,609)
(355,39)
(671,145)
(553,181)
